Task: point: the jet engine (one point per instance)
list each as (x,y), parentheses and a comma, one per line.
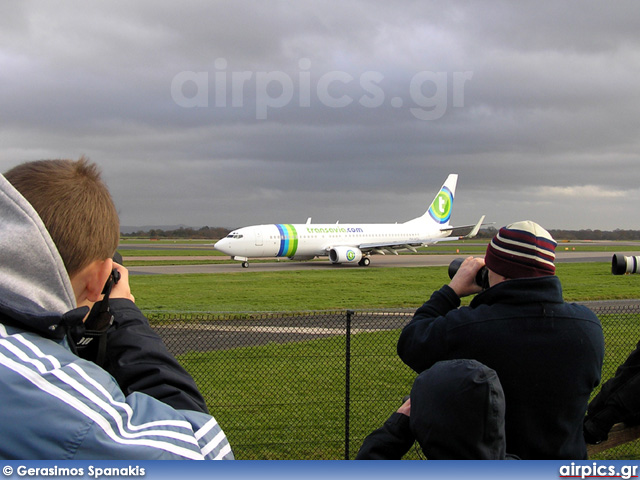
(345,255)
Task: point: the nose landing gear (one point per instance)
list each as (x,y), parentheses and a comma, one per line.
(244,260)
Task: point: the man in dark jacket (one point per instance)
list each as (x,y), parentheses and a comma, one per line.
(456,412)
(547,353)
(137,357)
(617,402)
(135,354)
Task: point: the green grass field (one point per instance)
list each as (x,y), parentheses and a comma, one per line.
(295,402)
(357,288)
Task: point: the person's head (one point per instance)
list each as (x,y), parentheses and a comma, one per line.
(77,210)
(520,250)
(457,412)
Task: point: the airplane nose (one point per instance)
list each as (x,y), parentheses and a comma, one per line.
(221,246)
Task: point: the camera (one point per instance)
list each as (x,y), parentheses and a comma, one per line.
(482,277)
(97,323)
(621,264)
(100,318)
(114,277)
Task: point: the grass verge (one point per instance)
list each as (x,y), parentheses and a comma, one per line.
(357,288)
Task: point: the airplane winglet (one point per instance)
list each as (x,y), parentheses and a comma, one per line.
(476,229)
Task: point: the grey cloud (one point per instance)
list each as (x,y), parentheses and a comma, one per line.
(549,101)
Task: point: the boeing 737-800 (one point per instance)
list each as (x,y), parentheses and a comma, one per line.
(347,243)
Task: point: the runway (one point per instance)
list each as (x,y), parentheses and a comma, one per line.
(377,261)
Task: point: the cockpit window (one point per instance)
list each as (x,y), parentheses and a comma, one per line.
(235,235)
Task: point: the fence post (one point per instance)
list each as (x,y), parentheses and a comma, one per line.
(347,386)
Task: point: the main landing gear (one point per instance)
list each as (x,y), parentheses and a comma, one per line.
(364,262)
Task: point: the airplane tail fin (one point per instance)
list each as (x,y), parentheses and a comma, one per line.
(439,212)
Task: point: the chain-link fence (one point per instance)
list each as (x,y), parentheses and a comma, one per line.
(312,385)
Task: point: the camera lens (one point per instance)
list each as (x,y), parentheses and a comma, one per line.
(482,277)
(454,266)
(621,264)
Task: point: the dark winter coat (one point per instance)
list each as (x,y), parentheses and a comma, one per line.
(617,402)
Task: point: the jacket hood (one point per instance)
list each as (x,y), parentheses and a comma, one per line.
(457,412)
(35,288)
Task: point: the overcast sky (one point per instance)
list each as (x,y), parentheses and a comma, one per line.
(242,112)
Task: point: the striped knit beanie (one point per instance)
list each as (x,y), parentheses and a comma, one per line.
(522,249)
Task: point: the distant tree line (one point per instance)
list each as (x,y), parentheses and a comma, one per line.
(578,234)
(220,232)
(182,232)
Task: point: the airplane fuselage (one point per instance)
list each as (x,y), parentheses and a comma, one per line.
(305,241)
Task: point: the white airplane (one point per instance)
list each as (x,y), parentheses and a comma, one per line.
(348,243)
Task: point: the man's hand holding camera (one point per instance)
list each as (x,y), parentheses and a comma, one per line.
(464,281)
(122,289)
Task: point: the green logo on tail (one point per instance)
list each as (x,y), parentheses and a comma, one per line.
(440,209)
